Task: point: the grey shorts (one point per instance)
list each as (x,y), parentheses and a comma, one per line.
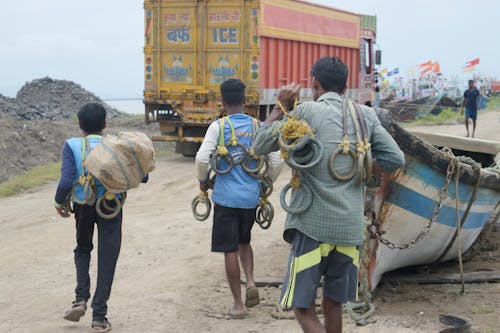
(309,261)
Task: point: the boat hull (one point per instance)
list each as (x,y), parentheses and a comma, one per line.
(405,204)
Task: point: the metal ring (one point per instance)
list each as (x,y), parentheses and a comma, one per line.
(216,161)
(248,159)
(73,195)
(114,212)
(122,200)
(243,150)
(306,199)
(262,171)
(265,215)
(194,207)
(346,176)
(361,170)
(368,165)
(89,193)
(298,143)
(317,156)
(266,187)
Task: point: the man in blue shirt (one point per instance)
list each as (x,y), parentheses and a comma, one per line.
(235,194)
(472,102)
(92,120)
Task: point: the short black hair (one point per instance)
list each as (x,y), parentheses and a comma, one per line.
(233,92)
(331,73)
(471,81)
(92,118)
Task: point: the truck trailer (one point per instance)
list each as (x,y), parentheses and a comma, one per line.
(191,47)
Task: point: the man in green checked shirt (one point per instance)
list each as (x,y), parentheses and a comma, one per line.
(326,237)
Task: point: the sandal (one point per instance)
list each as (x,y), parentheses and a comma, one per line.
(76,311)
(252,297)
(100,326)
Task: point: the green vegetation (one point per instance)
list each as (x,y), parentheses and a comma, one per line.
(447,116)
(494,104)
(35,177)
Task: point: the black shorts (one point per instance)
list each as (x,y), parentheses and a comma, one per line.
(232,227)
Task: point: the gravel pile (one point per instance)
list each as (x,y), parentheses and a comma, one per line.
(49,99)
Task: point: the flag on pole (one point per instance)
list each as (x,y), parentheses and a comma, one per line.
(425,64)
(436,67)
(473,62)
(393,72)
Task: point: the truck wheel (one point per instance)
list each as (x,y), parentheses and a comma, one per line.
(187,149)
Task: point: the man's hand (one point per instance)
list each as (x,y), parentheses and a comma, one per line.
(288,94)
(204,186)
(63,212)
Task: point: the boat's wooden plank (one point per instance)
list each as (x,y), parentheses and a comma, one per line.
(267,282)
(424,151)
(456,142)
(440,278)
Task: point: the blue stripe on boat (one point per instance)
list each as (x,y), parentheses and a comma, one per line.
(431,177)
(423,206)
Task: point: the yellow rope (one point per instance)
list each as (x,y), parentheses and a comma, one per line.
(295,180)
(109,196)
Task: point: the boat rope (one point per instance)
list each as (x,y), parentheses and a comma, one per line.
(477,170)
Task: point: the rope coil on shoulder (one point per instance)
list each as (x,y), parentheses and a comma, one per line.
(361,157)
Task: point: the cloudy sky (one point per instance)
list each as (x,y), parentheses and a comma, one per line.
(99,43)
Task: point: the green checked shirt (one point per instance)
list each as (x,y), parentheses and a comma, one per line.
(336,213)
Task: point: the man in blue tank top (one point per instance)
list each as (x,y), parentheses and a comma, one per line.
(235,194)
(92,120)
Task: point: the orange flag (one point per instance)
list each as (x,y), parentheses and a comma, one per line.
(425,64)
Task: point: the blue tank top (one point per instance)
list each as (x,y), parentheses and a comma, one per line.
(237,189)
(81,147)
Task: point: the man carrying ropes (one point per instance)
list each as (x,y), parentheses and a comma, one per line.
(325,236)
(235,192)
(84,191)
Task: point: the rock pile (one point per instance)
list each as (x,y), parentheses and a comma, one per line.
(49,99)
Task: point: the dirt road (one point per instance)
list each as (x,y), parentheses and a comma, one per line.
(167,280)
(488,127)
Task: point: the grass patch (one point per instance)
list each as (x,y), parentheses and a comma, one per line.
(33,178)
(493,104)
(447,116)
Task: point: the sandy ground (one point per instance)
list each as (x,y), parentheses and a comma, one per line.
(168,281)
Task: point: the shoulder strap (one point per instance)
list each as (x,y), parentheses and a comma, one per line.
(255,126)
(222,126)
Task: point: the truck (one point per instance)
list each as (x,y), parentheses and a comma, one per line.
(191,47)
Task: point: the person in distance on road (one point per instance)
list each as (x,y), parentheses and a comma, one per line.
(472,103)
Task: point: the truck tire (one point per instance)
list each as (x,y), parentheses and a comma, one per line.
(187,149)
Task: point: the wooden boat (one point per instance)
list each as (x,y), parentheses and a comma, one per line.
(404,203)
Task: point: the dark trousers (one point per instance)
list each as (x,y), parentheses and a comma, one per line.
(109,238)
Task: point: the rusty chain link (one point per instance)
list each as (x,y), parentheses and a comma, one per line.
(374,227)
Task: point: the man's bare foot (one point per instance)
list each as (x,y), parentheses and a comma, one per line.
(236,312)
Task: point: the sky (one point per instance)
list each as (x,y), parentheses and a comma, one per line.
(99,44)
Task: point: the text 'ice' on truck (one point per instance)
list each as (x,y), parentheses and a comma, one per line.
(191,47)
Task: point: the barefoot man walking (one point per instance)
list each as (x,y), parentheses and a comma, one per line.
(472,102)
